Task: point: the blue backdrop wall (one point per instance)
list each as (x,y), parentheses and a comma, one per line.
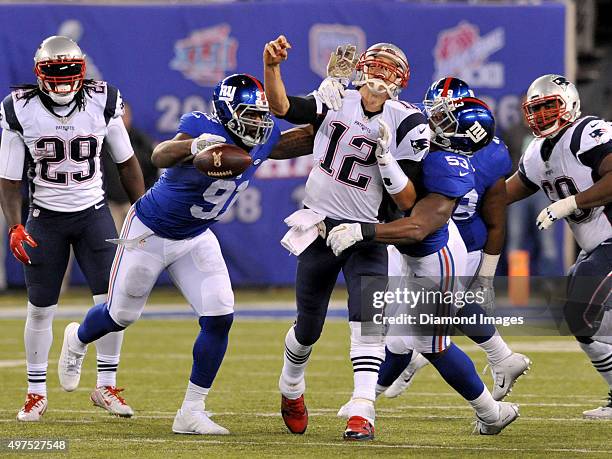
(166,60)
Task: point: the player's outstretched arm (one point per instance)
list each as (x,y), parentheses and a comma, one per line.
(516,190)
(294,142)
(494,217)
(429,214)
(170,152)
(131,178)
(274,53)
(600,193)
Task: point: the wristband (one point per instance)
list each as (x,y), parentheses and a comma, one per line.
(368,231)
(488,266)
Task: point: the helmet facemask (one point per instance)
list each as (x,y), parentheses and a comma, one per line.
(546,115)
(60,79)
(383,69)
(252,124)
(442,121)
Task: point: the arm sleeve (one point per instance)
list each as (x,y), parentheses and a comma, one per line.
(118,141)
(114,104)
(412,137)
(303,110)
(12,155)
(592,142)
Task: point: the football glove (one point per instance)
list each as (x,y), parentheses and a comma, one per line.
(555,211)
(383,142)
(483,282)
(331,92)
(17,236)
(204,141)
(342,63)
(344,236)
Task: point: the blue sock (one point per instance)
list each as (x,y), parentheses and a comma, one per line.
(392,367)
(96,324)
(209,348)
(478,332)
(458,371)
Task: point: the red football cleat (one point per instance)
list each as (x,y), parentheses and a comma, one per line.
(294,414)
(358,429)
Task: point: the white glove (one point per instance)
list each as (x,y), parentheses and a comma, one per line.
(383,142)
(483,282)
(344,236)
(331,93)
(204,141)
(555,211)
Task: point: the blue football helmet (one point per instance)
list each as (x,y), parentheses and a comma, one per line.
(240,104)
(447,87)
(463,125)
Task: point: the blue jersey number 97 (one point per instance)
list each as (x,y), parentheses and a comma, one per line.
(221,194)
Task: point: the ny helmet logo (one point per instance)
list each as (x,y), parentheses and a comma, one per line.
(226,93)
(476,132)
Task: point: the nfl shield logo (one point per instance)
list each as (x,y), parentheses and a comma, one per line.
(206,55)
(325,38)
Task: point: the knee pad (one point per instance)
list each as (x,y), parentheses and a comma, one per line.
(139,281)
(40,318)
(397,344)
(201,255)
(308,328)
(217,297)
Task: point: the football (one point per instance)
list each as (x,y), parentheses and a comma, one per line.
(222,160)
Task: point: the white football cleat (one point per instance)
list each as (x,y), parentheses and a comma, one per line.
(507,372)
(603,412)
(70,361)
(404,380)
(108,398)
(508,412)
(33,409)
(196,423)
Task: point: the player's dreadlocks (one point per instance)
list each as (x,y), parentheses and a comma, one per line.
(32,90)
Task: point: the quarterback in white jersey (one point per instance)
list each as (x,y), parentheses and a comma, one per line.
(371,144)
(54,130)
(570,160)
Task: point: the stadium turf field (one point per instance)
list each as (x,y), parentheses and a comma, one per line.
(428,420)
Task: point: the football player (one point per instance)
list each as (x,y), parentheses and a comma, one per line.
(569,159)
(481,220)
(169,228)
(359,151)
(433,249)
(56,129)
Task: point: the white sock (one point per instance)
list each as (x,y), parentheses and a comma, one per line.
(195,397)
(496,349)
(367,354)
(38,336)
(295,359)
(600,355)
(37,378)
(108,353)
(486,408)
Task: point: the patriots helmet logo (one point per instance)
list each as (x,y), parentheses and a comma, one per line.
(561,81)
(419,144)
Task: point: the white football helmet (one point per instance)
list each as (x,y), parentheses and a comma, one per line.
(552,103)
(59,65)
(383,68)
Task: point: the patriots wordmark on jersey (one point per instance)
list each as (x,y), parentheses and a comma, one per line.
(346,182)
(61,145)
(565,166)
(490,164)
(184,202)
